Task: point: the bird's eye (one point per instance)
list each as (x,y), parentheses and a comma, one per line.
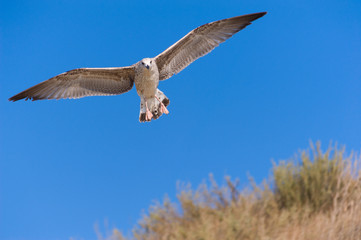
(150,61)
(142,63)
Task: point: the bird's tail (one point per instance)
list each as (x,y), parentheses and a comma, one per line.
(157,106)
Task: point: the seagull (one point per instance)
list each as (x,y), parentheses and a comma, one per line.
(145,74)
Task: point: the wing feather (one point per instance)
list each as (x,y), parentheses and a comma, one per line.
(199,42)
(82,82)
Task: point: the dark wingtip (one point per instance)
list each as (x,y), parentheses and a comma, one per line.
(21,96)
(255,16)
(26,95)
(15,98)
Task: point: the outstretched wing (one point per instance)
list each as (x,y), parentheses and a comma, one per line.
(82,82)
(199,42)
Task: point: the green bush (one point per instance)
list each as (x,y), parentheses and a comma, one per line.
(310,182)
(306,198)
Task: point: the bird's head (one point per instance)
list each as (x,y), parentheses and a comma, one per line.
(146,63)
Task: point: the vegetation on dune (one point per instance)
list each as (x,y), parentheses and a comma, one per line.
(317,195)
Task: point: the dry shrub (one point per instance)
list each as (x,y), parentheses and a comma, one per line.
(308,198)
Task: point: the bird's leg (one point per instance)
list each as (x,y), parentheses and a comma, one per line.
(163,109)
(148,114)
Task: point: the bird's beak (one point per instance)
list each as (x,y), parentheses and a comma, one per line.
(147,66)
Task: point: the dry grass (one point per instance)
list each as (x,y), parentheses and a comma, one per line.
(307,198)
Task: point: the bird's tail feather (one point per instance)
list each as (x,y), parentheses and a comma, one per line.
(154,106)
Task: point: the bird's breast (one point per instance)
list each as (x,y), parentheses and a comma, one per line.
(146,83)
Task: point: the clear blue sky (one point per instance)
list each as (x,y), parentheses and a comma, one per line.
(292,76)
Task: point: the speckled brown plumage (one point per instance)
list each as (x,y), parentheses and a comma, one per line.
(145,74)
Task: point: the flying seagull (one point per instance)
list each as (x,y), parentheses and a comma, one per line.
(146,73)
